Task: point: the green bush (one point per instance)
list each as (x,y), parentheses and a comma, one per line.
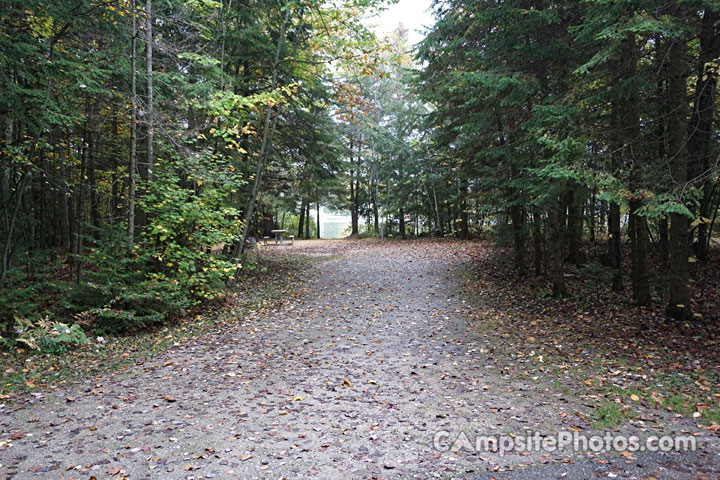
(170,267)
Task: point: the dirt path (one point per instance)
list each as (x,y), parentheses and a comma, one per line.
(352,379)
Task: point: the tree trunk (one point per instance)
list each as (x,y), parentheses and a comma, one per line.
(150,113)
(639,249)
(307,221)
(374,187)
(268,131)
(679,274)
(93,148)
(81,208)
(439,224)
(679,268)
(628,107)
(699,143)
(624,124)
(555,250)
(518,228)
(353,205)
(614,253)
(464,226)
(132,166)
(575,225)
(664,245)
(301,222)
(317,216)
(401,221)
(537,242)
(5,266)
(591,217)
(353,192)
(64,200)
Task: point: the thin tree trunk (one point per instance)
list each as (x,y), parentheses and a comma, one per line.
(614,246)
(81,208)
(356,204)
(701,124)
(150,113)
(93,147)
(664,245)
(353,193)
(575,225)
(626,109)
(439,224)
(591,217)
(307,221)
(353,205)
(264,147)
(64,201)
(464,225)
(301,222)
(537,242)
(376,209)
(317,216)
(132,167)
(555,251)
(24,181)
(518,227)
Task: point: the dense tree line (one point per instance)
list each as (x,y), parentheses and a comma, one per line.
(584,121)
(145,141)
(141,138)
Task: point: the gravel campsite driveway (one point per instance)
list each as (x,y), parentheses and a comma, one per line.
(351,378)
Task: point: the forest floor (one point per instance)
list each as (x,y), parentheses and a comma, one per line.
(380,348)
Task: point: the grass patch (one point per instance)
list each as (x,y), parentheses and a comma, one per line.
(608,416)
(712,416)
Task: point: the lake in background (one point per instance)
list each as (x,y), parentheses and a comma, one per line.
(333,224)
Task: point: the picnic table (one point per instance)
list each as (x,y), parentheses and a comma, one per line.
(279,237)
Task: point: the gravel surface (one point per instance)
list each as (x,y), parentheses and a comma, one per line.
(352,378)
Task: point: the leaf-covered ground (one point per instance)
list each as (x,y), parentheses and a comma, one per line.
(368,356)
(23,373)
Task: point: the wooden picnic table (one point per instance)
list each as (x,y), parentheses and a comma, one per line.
(278,236)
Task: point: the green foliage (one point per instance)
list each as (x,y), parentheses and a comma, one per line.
(47,336)
(171,267)
(118,293)
(189,213)
(18,301)
(65,100)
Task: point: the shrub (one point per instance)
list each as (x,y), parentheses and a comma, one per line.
(49,337)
